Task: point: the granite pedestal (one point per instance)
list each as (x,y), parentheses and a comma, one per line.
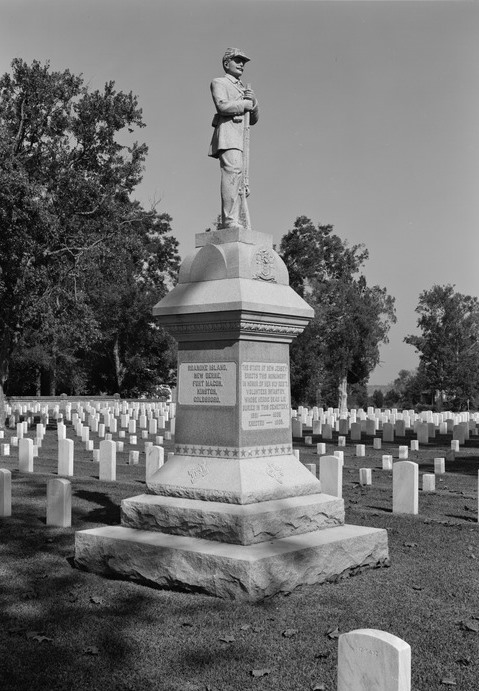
(233,513)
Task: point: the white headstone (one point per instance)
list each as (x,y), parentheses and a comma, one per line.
(403,452)
(360,450)
(25,455)
(428,482)
(372,660)
(59,503)
(5,492)
(321,448)
(377,443)
(387,462)
(65,457)
(439,466)
(341,441)
(155,457)
(107,460)
(311,467)
(4,449)
(414,445)
(365,476)
(405,487)
(331,476)
(134,457)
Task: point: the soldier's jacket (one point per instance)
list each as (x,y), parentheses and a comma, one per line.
(228,121)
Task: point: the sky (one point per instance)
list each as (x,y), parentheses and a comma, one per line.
(369,120)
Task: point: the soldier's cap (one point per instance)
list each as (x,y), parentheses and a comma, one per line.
(235,53)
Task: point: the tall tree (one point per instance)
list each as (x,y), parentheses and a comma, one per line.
(66,174)
(448,346)
(341,345)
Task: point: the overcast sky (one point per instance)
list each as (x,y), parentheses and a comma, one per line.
(369,120)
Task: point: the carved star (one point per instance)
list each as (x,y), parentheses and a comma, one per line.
(218,451)
(235,452)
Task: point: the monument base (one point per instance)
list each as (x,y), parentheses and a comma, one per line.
(240,572)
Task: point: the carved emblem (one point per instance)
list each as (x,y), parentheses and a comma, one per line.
(275,472)
(265,265)
(198,471)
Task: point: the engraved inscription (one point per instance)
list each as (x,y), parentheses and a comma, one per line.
(207,383)
(265,401)
(368,651)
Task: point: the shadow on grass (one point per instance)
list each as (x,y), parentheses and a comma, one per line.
(108,512)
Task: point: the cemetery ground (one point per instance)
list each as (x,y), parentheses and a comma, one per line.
(62,628)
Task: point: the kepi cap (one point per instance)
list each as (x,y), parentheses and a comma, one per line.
(234,53)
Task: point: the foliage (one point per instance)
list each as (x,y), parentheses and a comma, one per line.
(406,390)
(377,398)
(67,170)
(448,346)
(341,344)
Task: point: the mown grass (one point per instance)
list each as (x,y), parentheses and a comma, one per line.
(66,629)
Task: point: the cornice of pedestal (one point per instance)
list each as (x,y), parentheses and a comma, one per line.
(222,326)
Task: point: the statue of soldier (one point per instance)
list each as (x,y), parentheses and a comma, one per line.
(236,109)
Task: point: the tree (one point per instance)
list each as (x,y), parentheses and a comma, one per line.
(65,185)
(377,398)
(406,390)
(448,346)
(341,345)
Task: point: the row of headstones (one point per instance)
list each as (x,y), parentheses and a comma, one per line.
(365,474)
(333,415)
(83,431)
(106,458)
(59,489)
(134,412)
(405,480)
(403,450)
(424,430)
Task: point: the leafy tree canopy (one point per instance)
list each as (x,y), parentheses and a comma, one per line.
(340,347)
(448,345)
(68,166)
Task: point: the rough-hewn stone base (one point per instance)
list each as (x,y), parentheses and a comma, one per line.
(233,523)
(248,572)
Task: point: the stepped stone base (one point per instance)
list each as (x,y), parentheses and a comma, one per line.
(243,572)
(242,524)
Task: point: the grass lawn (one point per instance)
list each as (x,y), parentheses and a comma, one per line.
(66,629)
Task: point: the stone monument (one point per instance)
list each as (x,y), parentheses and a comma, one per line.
(233,513)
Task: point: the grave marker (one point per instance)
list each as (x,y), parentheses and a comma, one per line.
(107,460)
(372,660)
(5,493)
(65,456)
(25,455)
(59,503)
(405,487)
(331,476)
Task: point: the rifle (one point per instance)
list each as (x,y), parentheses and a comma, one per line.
(245,183)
